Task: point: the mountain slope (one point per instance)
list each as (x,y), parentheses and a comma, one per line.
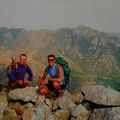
(92,55)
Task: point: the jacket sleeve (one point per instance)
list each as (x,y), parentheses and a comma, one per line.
(29,71)
(12,73)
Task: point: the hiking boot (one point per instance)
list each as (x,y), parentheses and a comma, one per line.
(59,92)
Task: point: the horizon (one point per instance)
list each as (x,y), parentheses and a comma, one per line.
(117,33)
(52,15)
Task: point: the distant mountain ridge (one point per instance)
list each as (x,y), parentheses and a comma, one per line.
(92,55)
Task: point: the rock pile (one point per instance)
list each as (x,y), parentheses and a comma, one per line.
(93,102)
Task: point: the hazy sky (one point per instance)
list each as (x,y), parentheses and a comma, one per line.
(103,15)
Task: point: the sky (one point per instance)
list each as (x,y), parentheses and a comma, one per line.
(102,15)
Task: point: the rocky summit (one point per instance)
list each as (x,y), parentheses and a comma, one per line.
(92,102)
(94,59)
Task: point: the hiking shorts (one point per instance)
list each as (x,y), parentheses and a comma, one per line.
(50,85)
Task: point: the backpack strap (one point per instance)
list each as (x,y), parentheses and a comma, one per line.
(56,67)
(16,67)
(26,67)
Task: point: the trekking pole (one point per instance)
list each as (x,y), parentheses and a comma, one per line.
(13,61)
(38,92)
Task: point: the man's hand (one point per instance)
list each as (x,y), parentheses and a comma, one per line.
(20,82)
(36,88)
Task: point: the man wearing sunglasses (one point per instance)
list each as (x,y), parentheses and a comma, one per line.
(17,72)
(56,75)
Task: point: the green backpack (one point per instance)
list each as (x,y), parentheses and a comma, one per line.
(67,71)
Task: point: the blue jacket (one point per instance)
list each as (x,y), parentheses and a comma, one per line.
(19,72)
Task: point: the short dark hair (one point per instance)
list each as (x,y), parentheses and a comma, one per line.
(51,55)
(23,55)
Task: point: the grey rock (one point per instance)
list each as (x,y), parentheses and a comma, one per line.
(77,97)
(25,94)
(40,99)
(72,118)
(106,114)
(29,114)
(65,103)
(3,103)
(51,117)
(61,115)
(29,105)
(1,117)
(42,111)
(80,112)
(10,114)
(101,95)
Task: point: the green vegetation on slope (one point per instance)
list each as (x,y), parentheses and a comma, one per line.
(92,55)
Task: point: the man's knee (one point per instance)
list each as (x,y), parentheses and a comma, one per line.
(13,85)
(44,91)
(56,85)
(26,83)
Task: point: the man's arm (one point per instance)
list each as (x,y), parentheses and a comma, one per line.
(29,71)
(12,72)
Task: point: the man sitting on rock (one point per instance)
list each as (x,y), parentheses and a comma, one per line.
(17,72)
(56,74)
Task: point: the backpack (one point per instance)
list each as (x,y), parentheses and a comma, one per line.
(9,69)
(61,61)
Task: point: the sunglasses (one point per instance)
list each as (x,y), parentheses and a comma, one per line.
(51,60)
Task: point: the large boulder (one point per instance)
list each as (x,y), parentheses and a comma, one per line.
(101,95)
(106,114)
(25,94)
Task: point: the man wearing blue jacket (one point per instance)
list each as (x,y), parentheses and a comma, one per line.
(17,73)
